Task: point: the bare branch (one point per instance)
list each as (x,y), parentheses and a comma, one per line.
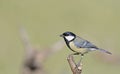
(26,42)
(57,46)
(75,68)
(33,60)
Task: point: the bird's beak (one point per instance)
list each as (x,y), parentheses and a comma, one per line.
(61,35)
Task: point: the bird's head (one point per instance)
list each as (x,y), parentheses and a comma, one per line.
(69,36)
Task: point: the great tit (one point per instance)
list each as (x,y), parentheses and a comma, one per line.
(79,45)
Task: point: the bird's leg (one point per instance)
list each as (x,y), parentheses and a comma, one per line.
(77,53)
(80,59)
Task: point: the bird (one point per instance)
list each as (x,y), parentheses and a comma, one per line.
(79,45)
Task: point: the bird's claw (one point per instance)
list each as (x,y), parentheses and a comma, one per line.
(77,53)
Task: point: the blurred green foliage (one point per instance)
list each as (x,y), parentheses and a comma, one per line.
(95,20)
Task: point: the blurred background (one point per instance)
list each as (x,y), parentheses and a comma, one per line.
(95,20)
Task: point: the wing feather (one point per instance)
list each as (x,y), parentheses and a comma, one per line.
(82,43)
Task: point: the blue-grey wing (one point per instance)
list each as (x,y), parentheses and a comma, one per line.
(82,43)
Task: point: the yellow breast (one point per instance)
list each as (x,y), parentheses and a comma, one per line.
(76,49)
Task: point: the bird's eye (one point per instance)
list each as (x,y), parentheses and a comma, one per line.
(65,34)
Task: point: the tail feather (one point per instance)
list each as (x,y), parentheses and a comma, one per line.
(104,51)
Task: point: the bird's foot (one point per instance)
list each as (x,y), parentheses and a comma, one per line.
(77,53)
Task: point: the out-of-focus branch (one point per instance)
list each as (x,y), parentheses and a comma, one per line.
(26,42)
(57,46)
(75,68)
(31,64)
(53,49)
(33,60)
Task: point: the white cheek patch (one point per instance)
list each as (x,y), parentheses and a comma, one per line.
(69,38)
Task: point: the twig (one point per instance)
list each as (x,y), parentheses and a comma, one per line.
(26,42)
(33,60)
(75,68)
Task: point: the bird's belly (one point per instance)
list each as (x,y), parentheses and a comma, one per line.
(77,49)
